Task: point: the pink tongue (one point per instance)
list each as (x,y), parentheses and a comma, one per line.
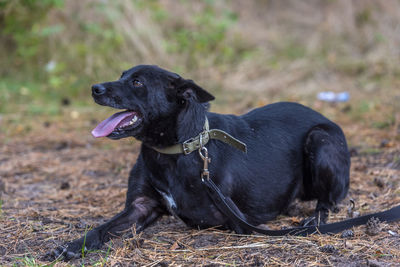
(108,125)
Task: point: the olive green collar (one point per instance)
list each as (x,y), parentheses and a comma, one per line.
(201,140)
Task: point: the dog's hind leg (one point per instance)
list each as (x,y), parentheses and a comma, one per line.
(326,170)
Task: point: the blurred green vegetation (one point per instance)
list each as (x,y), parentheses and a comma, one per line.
(263,51)
(49,56)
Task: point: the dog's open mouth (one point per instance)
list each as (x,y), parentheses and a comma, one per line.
(121,121)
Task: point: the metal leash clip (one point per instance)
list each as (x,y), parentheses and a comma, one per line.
(204,173)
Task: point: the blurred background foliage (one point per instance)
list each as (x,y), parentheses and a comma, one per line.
(262,50)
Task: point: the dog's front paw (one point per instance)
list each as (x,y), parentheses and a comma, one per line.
(69,251)
(76,248)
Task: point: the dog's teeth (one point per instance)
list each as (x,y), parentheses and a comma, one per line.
(134,119)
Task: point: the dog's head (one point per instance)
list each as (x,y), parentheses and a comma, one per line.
(147,94)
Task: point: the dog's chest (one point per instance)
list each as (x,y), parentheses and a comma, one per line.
(173,208)
(192,206)
(179,185)
(168,200)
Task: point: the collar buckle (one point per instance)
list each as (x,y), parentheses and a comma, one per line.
(186,146)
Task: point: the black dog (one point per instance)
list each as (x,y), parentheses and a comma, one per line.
(292,152)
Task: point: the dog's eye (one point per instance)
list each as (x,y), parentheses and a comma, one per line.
(137,83)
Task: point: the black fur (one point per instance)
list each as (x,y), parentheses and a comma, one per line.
(293,152)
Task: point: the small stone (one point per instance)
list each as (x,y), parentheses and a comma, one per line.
(379,182)
(373,226)
(347,234)
(348,244)
(328,249)
(392,233)
(64,186)
(374,263)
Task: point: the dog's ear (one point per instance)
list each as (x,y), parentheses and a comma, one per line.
(187,89)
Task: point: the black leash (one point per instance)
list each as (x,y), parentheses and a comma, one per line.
(227,207)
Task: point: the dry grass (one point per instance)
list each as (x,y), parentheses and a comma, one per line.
(59,182)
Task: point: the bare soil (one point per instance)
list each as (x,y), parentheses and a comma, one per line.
(56,182)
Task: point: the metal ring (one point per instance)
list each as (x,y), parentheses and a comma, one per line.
(205,152)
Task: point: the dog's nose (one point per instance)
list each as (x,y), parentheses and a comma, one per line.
(98,89)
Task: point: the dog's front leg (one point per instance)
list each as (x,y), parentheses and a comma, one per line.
(142,207)
(142,212)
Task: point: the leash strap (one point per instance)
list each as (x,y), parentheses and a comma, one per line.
(227,207)
(200,140)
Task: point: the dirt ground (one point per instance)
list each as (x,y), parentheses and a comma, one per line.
(56,182)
